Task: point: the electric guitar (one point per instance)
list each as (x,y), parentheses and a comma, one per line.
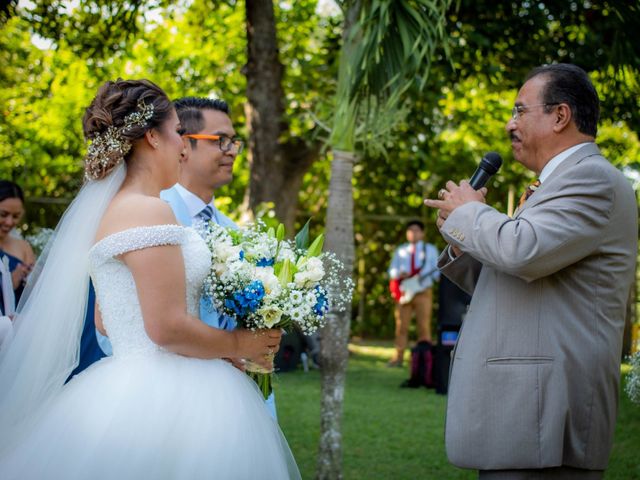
(412,286)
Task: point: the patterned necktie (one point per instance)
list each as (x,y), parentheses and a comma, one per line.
(527,193)
(206,213)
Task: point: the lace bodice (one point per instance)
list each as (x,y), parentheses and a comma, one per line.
(115,288)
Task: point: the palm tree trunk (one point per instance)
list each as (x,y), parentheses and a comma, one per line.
(355,92)
(334,351)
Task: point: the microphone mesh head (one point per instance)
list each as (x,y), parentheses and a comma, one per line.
(491,162)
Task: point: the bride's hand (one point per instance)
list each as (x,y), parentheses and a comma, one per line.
(257,346)
(239,363)
(19,275)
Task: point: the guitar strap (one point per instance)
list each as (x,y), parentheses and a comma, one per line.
(424,259)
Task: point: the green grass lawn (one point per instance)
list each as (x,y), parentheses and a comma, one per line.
(396,433)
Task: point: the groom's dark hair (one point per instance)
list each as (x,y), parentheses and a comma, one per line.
(189,110)
(416,222)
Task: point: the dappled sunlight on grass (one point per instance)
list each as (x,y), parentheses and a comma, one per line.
(379,352)
(398,433)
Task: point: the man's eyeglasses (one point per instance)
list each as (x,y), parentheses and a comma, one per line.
(225,142)
(518,110)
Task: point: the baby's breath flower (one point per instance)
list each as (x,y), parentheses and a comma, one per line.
(633,380)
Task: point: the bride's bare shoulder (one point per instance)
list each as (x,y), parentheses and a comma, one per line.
(129,210)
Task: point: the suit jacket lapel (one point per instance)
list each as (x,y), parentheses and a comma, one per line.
(573,159)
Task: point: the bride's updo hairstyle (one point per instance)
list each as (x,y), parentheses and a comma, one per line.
(121,113)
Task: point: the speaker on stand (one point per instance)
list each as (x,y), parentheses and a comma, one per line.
(453,304)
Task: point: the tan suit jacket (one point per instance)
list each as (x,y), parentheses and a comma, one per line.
(535,372)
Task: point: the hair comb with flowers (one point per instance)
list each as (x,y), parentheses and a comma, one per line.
(102,147)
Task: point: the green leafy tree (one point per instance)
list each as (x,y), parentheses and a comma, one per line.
(200,47)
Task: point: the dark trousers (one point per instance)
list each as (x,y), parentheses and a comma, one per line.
(556,473)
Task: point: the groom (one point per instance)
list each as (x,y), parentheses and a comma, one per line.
(207,164)
(211,147)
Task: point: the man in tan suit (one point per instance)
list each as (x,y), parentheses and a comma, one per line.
(535,372)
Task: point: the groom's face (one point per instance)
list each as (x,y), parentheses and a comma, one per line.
(207,163)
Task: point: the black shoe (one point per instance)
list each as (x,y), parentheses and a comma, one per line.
(408,384)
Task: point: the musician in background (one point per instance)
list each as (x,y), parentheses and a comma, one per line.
(412,272)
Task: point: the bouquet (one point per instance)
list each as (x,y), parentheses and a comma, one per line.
(262,280)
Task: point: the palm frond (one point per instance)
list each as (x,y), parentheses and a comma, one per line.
(386,50)
(393,44)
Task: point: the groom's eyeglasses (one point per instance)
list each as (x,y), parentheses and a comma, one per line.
(225,142)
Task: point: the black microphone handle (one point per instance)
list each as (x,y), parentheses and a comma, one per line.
(489,165)
(479,179)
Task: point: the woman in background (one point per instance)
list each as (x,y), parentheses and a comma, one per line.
(13,249)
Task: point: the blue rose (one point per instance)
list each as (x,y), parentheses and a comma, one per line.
(322,303)
(232,305)
(265,262)
(247,300)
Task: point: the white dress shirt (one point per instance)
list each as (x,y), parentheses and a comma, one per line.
(557,160)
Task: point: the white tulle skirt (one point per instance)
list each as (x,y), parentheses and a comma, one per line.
(153,416)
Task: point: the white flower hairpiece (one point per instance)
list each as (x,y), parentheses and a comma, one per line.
(100,153)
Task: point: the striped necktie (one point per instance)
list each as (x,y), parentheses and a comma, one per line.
(206,213)
(527,193)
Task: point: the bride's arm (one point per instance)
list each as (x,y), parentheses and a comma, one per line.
(159,276)
(160,282)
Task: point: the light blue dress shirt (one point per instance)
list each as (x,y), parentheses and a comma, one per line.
(426,259)
(187,206)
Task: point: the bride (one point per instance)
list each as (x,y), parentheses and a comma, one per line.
(165,405)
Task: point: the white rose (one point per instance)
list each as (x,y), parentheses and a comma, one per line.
(268,279)
(309,277)
(314,264)
(225,252)
(301,279)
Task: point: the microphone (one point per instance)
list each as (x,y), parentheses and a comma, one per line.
(488,166)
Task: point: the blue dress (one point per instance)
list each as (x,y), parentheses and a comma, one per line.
(90,351)
(13,264)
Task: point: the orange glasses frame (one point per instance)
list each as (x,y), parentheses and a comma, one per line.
(201,136)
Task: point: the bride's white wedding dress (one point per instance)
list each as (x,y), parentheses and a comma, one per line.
(146,413)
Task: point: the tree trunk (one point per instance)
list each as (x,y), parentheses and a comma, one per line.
(334,351)
(276,169)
